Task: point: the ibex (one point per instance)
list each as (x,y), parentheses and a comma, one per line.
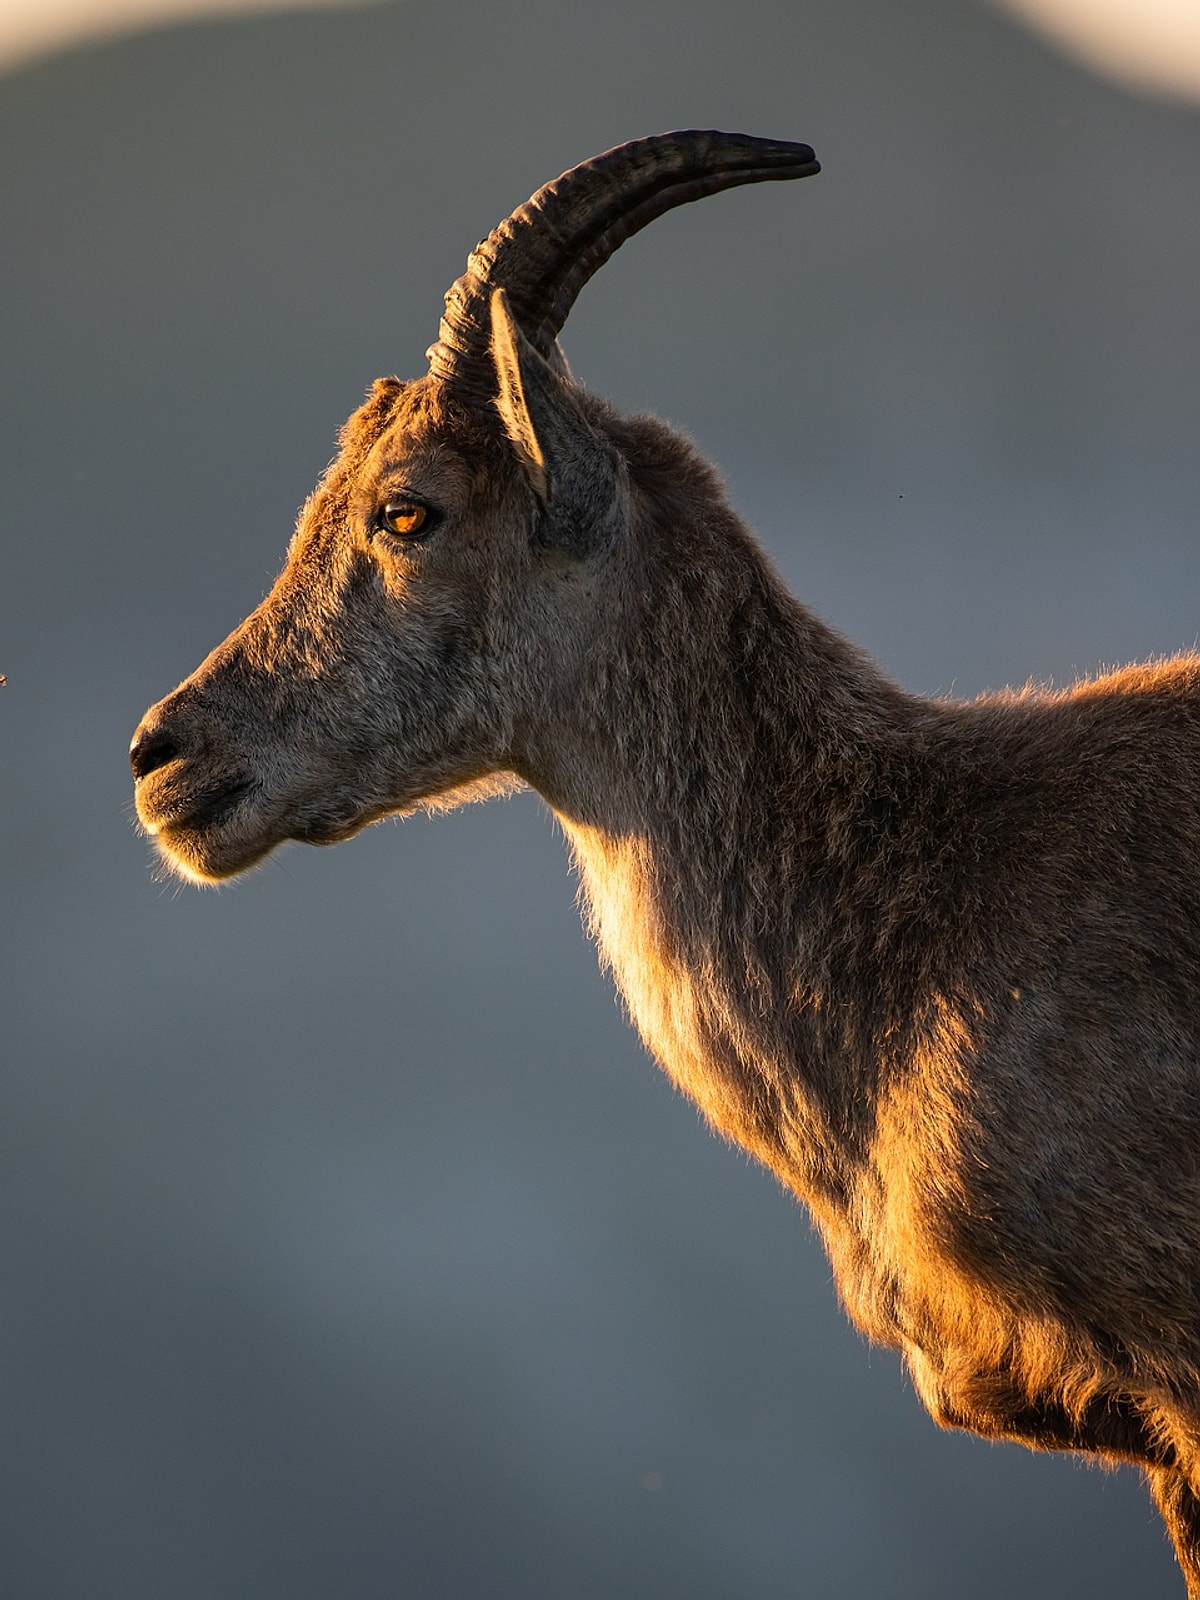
(936,964)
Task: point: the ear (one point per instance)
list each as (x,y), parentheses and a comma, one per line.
(572,470)
(511,399)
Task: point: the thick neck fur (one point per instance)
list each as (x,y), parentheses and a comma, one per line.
(725,773)
(935,964)
(866,931)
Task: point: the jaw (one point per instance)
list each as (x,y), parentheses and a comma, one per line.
(191,857)
(208,854)
(211,851)
(229,829)
(210,830)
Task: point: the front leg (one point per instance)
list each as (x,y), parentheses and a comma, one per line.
(1180,1508)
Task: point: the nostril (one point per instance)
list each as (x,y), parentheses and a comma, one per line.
(150,750)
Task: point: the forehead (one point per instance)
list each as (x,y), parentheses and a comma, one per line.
(407,429)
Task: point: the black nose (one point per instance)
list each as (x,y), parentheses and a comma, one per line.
(151,748)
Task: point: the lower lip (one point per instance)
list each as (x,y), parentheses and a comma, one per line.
(209,810)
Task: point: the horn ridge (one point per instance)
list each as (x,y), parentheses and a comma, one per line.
(545,252)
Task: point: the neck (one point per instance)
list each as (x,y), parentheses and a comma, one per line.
(719,782)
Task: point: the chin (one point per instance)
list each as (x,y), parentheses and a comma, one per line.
(228,834)
(211,853)
(199,858)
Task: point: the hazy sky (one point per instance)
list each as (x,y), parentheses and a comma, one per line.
(1147,44)
(1150,44)
(30,28)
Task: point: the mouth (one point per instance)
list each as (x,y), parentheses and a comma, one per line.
(207,831)
(195,827)
(169,807)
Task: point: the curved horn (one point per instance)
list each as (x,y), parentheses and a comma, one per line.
(544,253)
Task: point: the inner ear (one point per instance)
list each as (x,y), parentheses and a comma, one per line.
(511,400)
(571,467)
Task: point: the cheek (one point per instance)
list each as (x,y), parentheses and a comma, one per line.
(434,618)
(440,667)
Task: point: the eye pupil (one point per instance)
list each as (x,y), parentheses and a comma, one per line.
(405,518)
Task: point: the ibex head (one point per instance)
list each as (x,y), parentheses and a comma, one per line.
(451,574)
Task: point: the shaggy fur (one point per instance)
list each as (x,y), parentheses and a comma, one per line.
(937,965)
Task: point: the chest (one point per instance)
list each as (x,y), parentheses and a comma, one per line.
(679,999)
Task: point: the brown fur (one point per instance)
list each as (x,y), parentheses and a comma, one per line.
(936,964)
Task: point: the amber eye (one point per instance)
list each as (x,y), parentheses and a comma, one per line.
(405,518)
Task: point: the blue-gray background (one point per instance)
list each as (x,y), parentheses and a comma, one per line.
(349,1245)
